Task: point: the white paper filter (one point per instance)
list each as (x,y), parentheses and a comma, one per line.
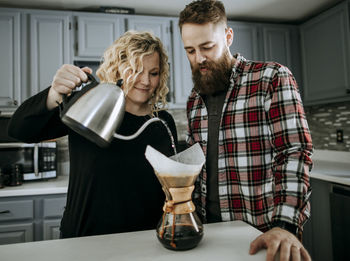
(187,162)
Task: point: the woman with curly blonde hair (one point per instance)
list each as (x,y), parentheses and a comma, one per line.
(111,189)
(124,60)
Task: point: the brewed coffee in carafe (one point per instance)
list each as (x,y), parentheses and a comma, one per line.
(179,227)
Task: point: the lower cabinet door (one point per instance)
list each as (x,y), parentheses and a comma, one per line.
(51,229)
(16,233)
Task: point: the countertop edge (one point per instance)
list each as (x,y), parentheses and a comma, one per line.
(330,178)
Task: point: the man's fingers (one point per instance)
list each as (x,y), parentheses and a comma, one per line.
(271,251)
(295,251)
(305,255)
(256,245)
(285,252)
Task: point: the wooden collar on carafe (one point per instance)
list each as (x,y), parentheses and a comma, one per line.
(181,201)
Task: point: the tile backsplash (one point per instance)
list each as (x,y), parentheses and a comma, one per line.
(324,122)
(180,119)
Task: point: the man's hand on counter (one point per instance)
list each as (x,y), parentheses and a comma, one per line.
(290,248)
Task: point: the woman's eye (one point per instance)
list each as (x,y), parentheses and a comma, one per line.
(155,73)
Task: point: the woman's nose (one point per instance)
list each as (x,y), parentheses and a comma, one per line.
(144,78)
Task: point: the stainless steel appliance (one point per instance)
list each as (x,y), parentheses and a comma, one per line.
(37,160)
(96,110)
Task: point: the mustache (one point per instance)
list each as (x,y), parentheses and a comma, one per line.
(197,66)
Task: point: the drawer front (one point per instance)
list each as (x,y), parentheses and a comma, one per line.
(16,210)
(16,233)
(54,207)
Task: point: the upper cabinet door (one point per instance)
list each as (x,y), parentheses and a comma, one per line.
(182,70)
(10,59)
(157,25)
(50,45)
(277,45)
(96,32)
(281,44)
(326,56)
(245,40)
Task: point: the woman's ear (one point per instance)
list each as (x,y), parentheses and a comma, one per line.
(229,36)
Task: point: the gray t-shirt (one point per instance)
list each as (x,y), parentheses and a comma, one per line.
(214,104)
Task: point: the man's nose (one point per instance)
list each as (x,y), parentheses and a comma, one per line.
(200,58)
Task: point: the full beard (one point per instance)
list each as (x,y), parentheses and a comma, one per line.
(217,77)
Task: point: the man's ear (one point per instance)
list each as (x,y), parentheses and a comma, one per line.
(229,36)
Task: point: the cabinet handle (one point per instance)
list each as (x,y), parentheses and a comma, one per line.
(15,102)
(5,212)
(348,91)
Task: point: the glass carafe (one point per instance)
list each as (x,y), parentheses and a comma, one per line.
(179,228)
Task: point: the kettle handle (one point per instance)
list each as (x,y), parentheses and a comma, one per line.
(67,101)
(65,97)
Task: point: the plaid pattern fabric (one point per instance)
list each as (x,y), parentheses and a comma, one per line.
(264,147)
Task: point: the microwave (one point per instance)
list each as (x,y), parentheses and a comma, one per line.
(38,160)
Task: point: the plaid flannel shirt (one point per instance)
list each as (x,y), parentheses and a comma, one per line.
(264,147)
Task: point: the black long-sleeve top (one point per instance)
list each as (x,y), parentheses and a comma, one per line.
(111,189)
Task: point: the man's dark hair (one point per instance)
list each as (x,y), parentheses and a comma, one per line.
(202,12)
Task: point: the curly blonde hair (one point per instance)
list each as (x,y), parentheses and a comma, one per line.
(123,60)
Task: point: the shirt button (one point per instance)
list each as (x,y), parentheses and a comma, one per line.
(205,117)
(204,142)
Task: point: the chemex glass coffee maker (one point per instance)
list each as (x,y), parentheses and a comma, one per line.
(179,228)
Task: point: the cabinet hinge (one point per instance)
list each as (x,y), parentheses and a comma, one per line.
(70,25)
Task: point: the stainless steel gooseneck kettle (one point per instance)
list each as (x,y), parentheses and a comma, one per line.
(96,111)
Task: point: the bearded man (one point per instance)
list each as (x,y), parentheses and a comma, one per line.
(250,122)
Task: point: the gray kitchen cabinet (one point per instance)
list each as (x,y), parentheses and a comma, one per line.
(317,235)
(10,73)
(182,70)
(245,39)
(340,222)
(327,232)
(16,233)
(51,229)
(30,218)
(53,209)
(267,42)
(49,38)
(281,45)
(16,220)
(325,43)
(277,44)
(96,32)
(160,26)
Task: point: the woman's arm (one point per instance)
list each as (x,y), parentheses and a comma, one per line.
(33,122)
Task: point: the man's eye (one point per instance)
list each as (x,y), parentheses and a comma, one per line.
(190,51)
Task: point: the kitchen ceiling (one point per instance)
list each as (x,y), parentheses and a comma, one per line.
(257,10)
